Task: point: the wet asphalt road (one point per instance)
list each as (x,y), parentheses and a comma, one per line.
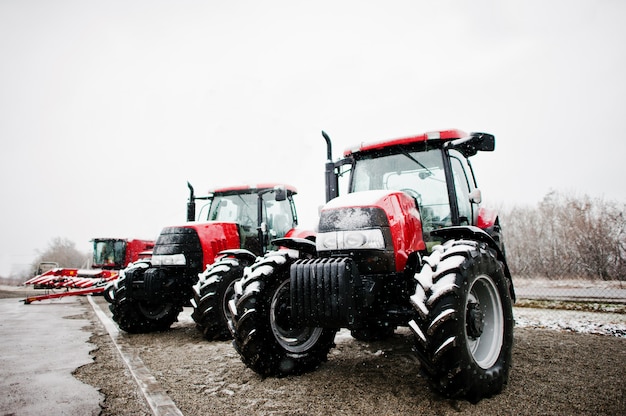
(40,346)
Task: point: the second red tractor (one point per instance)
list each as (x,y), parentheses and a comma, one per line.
(235,225)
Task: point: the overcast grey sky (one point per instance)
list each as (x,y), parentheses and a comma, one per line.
(107,108)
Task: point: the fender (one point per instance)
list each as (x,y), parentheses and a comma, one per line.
(474,233)
(301,244)
(242,254)
(486,218)
(132,272)
(301,233)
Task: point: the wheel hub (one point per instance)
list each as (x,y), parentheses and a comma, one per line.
(283,315)
(475,320)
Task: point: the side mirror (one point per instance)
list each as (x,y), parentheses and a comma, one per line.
(483,142)
(476,142)
(280,194)
(476,196)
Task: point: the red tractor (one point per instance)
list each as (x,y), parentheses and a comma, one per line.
(238,224)
(408,245)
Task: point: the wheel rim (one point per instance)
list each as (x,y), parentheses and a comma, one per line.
(484,327)
(292,338)
(154,310)
(228,295)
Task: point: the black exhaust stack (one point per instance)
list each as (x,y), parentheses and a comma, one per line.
(191,205)
(332,181)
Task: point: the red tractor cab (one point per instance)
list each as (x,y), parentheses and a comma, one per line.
(117,253)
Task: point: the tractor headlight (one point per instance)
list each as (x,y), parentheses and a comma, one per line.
(348,240)
(169,259)
(326,241)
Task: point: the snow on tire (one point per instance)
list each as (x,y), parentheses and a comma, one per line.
(264,336)
(211,295)
(463,321)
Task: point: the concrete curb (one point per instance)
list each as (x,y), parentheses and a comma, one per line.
(158,400)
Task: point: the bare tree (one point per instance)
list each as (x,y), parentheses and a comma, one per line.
(567,236)
(63,252)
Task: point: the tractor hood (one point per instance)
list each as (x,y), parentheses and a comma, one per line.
(347,212)
(194,244)
(393,212)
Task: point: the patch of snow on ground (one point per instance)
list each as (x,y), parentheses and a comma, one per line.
(600,323)
(568,283)
(574,321)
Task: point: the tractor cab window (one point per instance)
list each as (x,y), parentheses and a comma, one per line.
(243,210)
(464,186)
(279,217)
(462,190)
(240,208)
(109,252)
(419,174)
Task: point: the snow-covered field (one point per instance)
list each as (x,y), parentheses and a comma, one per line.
(603,323)
(571,290)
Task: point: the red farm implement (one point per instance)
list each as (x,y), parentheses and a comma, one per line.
(110,255)
(72,282)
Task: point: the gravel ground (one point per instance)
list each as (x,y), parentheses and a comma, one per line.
(554,372)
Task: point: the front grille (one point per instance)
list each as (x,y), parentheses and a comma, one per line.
(323,291)
(176,240)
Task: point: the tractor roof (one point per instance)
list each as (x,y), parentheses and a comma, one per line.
(442,135)
(253,188)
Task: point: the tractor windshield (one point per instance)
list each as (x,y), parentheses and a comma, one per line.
(243,210)
(240,208)
(419,174)
(109,253)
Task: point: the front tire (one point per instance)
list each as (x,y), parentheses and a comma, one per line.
(463,323)
(211,295)
(140,316)
(264,336)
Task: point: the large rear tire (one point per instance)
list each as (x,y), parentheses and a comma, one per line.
(141,316)
(211,295)
(463,323)
(264,336)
